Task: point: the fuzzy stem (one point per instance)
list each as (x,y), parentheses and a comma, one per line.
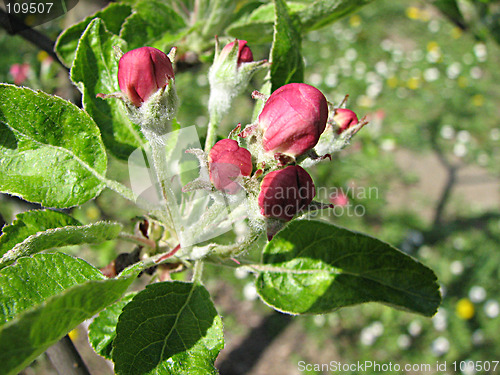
(215,118)
(160,166)
(197,271)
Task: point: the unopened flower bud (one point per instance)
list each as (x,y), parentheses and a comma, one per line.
(293,119)
(345,119)
(232,69)
(142,72)
(227,161)
(283,193)
(244,52)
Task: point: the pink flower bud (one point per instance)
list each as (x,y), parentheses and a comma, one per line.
(227,161)
(339,199)
(293,119)
(345,119)
(19,72)
(142,71)
(285,192)
(244,52)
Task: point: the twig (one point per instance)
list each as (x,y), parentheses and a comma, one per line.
(66,359)
(14,26)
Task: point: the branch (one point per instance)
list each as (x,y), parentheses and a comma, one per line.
(66,359)
(15,26)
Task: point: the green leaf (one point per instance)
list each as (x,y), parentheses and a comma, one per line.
(287,64)
(169,328)
(50,151)
(55,234)
(95,71)
(220,13)
(113,16)
(324,12)
(152,20)
(32,222)
(315,267)
(102,331)
(258,26)
(43,298)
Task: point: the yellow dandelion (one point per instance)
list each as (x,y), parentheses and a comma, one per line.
(433,46)
(465,309)
(392,82)
(355,21)
(413,13)
(478,100)
(413,83)
(456,32)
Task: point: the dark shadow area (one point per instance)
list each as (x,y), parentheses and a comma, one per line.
(246,355)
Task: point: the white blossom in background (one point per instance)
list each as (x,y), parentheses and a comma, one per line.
(351,54)
(434,26)
(331,80)
(440,346)
(319,320)
(241,273)
(415,328)
(481,52)
(388,145)
(463,136)
(453,70)
(404,341)
(459,243)
(440,320)
(431,74)
(460,150)
(495,134)
(478,337)
(387,45)
(250,292)
(491,308)
(370,334)
(456,267)
(477,294)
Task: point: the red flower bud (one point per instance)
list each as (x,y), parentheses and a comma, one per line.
(227,161)
(142,71)
(293,119)
(244,52)
(345,119)
(285,192)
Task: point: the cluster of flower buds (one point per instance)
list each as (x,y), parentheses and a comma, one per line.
(296,124)
(288,129)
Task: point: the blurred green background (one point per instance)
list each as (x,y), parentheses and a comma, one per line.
(423,175)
